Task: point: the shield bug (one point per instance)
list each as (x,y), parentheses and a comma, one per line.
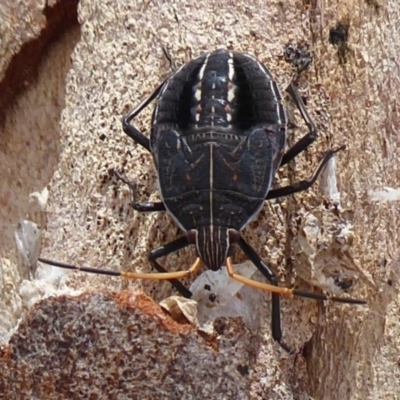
(218,136)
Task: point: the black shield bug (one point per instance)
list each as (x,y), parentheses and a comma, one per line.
(217,139)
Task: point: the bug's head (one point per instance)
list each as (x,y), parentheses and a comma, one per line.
(213,244)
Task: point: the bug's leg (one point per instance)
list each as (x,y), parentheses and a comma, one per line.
(150,206)
(136,205)
(162,274)
(275,298)
(170,59)
(165,250)
(141,139)
(129,129)
(273,287)
(276,290)
(311,136)
(306,184)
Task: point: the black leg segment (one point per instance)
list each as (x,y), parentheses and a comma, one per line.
(129,129)
(149,206)
(275,298)
(306,184)
(139,206)
(170,59)
(162,251)
(311,136)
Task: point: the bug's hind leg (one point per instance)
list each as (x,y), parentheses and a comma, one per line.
(170,59)
(311,136)
(276,290)
(129,129)
(276,327)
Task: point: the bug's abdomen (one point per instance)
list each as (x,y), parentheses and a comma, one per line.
(258,101)
(221,92)
(213,93)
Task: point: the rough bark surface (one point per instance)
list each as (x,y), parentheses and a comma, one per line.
(68,73)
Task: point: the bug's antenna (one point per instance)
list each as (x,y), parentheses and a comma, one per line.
(125,274)
(283,291)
